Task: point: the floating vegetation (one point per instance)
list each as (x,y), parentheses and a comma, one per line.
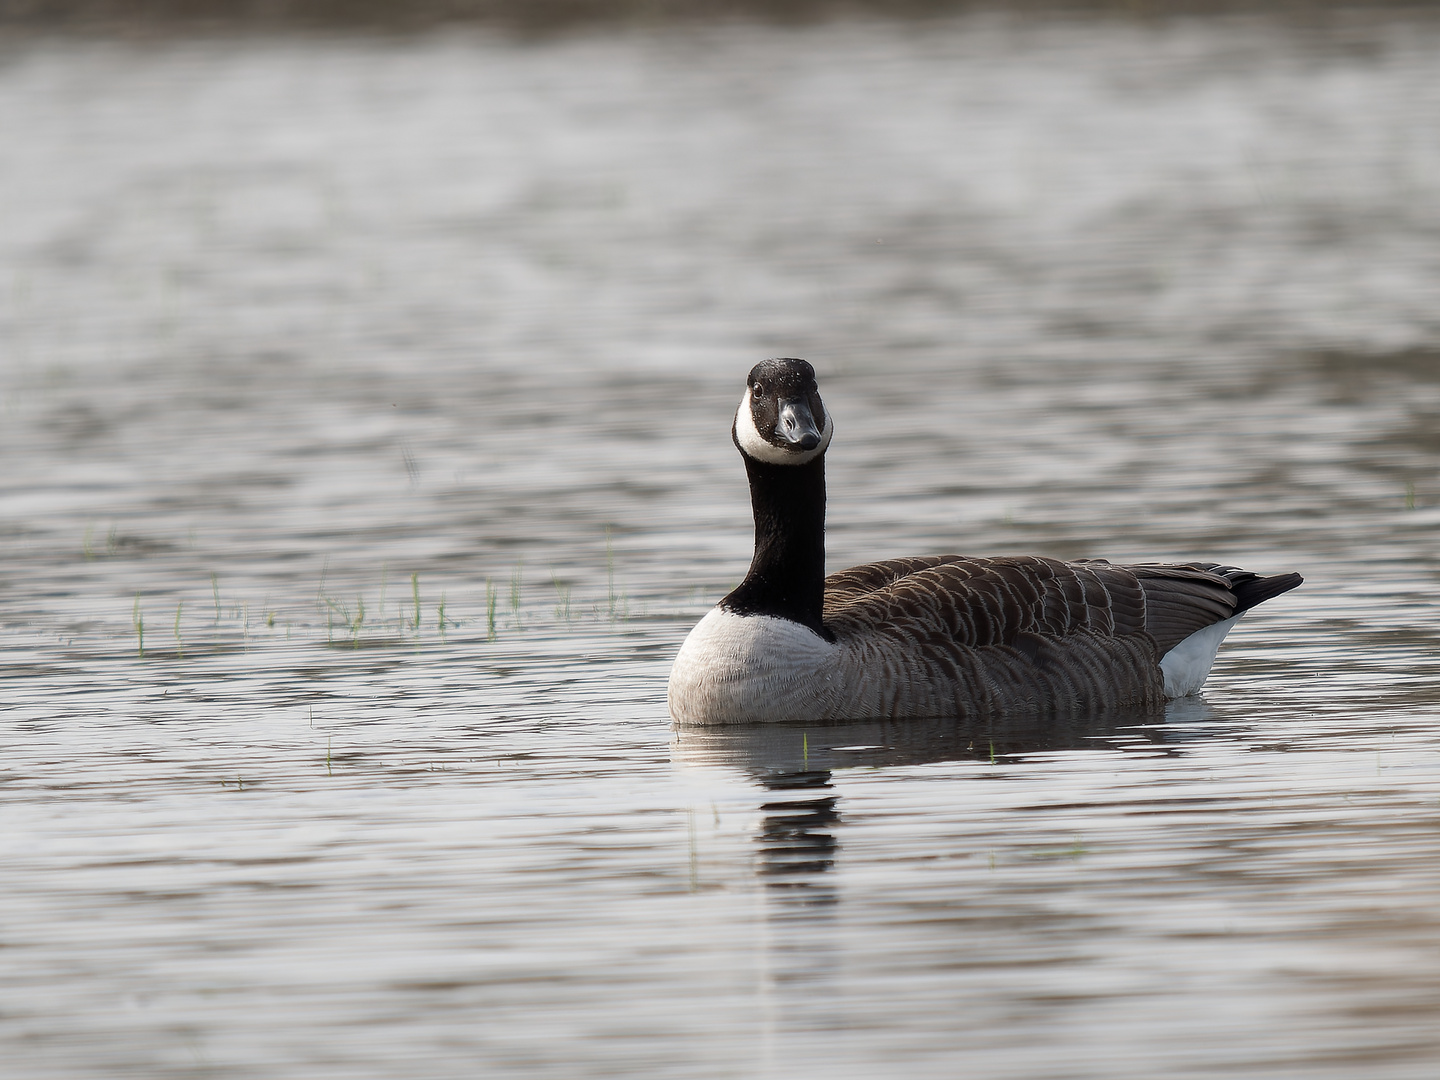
(515,593)
(619,602)
(351,617)
(87,543)
(610,570)
(562,598)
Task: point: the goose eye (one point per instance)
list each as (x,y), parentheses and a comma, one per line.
(759,389)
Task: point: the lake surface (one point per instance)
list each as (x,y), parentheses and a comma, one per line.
(364,416)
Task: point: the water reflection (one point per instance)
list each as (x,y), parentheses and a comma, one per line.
(780,756)
(797,835)
(796,767)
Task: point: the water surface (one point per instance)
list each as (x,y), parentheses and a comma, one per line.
(298,332)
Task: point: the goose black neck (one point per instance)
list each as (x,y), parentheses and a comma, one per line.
(787,574)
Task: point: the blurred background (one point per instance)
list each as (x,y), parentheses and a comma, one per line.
(287,289)
(351,14)
(366,374)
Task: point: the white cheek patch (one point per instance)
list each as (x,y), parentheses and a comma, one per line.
(751,442)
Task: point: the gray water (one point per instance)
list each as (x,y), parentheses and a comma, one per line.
(296,331)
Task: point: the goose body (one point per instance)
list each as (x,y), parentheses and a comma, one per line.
(931,636)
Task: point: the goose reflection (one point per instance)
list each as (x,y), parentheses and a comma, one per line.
(800,772)
(797,833)
(778,755)
(797,767)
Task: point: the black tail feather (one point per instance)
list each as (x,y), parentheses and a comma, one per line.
(1255,589)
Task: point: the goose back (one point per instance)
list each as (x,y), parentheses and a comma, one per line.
(1025,634)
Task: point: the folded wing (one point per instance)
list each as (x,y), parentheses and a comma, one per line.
(979,602)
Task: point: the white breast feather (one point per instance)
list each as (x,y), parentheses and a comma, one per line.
(737,668)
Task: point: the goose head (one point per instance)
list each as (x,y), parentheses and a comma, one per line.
(781,419)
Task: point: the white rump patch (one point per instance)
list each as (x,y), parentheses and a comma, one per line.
(754,444)
(1187,665)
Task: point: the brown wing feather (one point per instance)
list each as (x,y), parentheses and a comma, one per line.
(971,636)
(1181,599)
(859,581)
(954,635)
(1184,597)
(979,602)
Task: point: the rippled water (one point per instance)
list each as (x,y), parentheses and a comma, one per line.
(296,332)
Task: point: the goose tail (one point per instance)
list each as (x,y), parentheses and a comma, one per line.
(1187,665)
(1255,589)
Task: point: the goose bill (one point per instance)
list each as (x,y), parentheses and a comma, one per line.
(797,425)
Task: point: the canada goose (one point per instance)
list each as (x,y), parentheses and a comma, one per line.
(936,635)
